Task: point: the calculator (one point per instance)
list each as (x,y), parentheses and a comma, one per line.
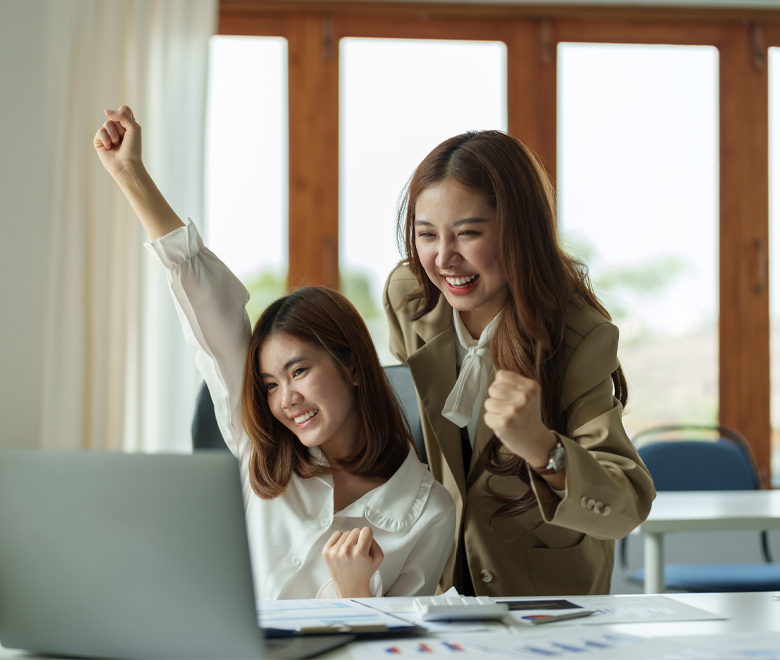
(459,608)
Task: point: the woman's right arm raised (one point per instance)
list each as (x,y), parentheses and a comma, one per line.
(118,144)
(210,300)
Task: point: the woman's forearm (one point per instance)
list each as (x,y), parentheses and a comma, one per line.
(156,215)
(118,144)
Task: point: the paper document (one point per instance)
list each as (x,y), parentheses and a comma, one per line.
(625,609)
(315,612)
(588,643)
(583,643)
(729,646)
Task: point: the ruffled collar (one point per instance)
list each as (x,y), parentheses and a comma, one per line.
(395,505)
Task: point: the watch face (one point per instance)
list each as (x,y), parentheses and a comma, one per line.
(557,458)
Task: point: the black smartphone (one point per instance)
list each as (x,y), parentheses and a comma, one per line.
(547,604)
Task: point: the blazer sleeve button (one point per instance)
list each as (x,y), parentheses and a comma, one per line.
(584,502)
(486,575)
(591,504)
(598,507)
(606,511)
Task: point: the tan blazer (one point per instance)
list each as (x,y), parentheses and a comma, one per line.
(608,489)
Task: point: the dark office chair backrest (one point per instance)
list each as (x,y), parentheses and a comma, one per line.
(401,379)
(206,434)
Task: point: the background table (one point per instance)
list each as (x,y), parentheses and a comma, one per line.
(703,511)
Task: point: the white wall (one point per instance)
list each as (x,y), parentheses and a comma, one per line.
(23,25)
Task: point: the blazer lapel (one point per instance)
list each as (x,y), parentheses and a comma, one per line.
(484,435)
(433,371)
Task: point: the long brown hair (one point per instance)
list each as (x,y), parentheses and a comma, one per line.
(542,278)
(325,319)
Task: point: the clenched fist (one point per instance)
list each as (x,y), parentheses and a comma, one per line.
(118,142)
(513,411)
(352,558)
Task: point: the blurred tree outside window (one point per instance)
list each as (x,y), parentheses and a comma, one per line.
(638,203)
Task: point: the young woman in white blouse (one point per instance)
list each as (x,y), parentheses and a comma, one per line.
(337,501)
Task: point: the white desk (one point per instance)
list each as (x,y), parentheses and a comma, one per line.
(746,612)
(703,511)
(756,612)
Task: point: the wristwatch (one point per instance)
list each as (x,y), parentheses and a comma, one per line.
(556,462)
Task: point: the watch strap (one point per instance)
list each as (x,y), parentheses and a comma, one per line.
(553,466)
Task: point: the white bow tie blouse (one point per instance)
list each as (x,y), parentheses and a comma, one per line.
(474,363)
(412,516)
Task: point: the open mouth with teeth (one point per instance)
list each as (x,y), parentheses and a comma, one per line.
(302,420)
(461,285)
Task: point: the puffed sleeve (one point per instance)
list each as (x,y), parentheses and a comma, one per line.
(609,490)
(211,304)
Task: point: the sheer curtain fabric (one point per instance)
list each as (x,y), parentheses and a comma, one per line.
(116,373)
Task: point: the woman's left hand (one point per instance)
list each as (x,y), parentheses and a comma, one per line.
(513,411)
(352,558)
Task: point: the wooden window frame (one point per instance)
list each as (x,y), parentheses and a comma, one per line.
(313,30)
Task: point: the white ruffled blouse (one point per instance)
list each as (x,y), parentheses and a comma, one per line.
(412,516)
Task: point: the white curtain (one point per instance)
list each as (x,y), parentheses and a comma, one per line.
(117,372)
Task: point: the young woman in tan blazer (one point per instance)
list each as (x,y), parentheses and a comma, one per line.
(515,364)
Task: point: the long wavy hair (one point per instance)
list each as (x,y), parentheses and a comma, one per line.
(542,279)
(325,319)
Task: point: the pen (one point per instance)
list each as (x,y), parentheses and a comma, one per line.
(549,618)
(340,628)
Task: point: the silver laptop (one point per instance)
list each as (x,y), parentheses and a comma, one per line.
(129,556)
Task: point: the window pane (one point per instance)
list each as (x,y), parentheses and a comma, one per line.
(774,251)
(638,195)
(246,162)
(399,99)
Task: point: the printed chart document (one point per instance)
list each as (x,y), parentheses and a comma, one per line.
(729,646)
(322,613)
(623,609)
(584,643)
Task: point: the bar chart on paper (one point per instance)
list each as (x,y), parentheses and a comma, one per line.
(581,643)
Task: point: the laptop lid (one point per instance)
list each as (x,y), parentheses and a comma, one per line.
(125,555)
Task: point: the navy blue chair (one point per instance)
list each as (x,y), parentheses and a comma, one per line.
(727,463)
(206,434)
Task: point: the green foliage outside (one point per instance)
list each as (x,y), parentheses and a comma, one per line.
(264,287)
(646,279)
(667,376)
(268,285)
(357,287)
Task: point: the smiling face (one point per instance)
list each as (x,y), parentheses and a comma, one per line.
(307,394)
(456,238)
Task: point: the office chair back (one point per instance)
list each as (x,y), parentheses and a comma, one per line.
(206,434)
(724,464)
(401,379)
